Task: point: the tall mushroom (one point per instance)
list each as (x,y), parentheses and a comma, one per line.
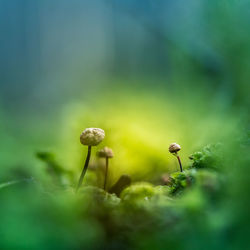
(105,153)
(89,137)
(174,148)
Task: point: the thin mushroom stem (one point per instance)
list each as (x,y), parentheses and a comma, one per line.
(179,160)
(106,173)
(86,164)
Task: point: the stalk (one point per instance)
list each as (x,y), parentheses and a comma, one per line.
(86,164)
(106,173)
(179,160)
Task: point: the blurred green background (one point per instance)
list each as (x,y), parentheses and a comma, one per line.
(147,72)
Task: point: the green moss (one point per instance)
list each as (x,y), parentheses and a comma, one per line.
(208,157)
(96,196)
(138,192)
(181,180)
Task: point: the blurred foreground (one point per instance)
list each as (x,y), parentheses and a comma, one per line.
(149,74)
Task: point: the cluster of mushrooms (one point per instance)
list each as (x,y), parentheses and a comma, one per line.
(94,136)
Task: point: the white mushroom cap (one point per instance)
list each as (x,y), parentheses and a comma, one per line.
(92,136)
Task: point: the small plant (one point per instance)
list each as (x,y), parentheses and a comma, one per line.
(173,149)
(89,137)
(105,153)
(49,159)
(208,157)
(181,180)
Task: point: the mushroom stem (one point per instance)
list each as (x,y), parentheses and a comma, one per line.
(106,173)
(84,169)
(179,160)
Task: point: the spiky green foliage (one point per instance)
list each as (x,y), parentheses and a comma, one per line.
(209,157)
(181,180)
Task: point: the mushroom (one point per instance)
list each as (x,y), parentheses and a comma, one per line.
(89,137)
(123,182)
(105,153)
(173,149)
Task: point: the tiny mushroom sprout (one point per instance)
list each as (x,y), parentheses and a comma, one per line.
(105,153)
(89,137)
(173,149)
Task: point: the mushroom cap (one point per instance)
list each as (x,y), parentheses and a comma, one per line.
(174,148)
(92,136)
(105,152)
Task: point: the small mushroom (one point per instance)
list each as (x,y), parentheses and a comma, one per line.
(123,182)
(105,153)
(89,137)
(173,149)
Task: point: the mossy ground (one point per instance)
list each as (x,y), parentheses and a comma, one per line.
(195,206)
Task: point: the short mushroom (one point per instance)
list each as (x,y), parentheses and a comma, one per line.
(105,153)
(173,149)
(89,137)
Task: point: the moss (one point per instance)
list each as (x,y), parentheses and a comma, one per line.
(142,191)
(209,157)
(181,180)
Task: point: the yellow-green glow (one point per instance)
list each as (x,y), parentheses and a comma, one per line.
(139,128)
